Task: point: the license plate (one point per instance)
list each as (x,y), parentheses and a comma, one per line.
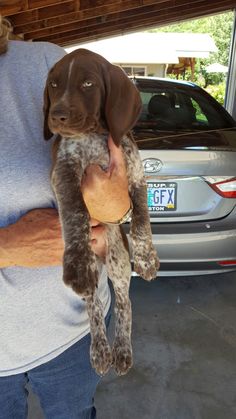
(162,196)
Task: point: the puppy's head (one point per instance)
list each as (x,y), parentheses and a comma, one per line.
(85,93)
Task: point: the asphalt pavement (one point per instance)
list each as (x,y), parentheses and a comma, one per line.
(184,344)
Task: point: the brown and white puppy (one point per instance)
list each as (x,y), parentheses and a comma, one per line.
(86,98)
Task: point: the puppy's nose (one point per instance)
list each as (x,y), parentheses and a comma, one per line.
(59,115)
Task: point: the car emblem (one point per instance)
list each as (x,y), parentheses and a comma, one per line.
(152,165)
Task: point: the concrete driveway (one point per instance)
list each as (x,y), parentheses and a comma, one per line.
(184,344)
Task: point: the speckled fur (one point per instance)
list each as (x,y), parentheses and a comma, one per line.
(87,145)
(81,269)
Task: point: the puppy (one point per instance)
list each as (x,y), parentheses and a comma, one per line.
(85,99)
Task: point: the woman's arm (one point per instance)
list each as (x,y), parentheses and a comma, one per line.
(33,241)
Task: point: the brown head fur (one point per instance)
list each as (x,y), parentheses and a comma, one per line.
(86,93)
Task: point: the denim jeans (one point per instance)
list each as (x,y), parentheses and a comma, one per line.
(65,386)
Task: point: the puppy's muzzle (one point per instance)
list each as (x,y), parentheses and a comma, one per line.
(61,121)
(59,116)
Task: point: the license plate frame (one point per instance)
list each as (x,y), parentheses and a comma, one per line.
(161,196)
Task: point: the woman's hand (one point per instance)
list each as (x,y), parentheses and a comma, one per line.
(35,240)
(106,193)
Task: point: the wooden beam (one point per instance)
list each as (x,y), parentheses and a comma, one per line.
(119,29)
(122,29)
(10,7)
(94,29)
(39,4)
(71,21)
(98,21)
(63,22)
(36,15)
(26,22)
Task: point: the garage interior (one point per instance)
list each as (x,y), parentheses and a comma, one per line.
(195,379)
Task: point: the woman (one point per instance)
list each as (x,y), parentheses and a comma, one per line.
(44,334)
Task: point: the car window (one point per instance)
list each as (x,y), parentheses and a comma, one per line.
(200,115)
(181,116)
(168,109)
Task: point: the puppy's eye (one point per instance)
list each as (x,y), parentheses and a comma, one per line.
(53,84)
(87,83)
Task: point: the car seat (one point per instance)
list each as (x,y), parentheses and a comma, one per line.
(159,109)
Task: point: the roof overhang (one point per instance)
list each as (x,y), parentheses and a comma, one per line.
(151,48)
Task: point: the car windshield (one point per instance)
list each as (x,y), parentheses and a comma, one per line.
(177,109)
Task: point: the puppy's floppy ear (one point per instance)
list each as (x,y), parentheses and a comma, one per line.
(123,102)
(46,106)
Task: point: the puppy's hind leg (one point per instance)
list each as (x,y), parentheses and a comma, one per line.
(100,351)
(146,261)
(119,272)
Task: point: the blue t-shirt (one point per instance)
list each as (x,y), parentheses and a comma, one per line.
(40,317)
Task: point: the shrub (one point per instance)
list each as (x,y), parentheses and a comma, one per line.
(217,91)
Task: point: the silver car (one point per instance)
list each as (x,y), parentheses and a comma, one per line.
(187,142)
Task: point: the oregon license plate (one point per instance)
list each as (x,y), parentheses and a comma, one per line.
(162,196)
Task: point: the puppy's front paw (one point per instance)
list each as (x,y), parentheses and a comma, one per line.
(80,275)
(146,261)
(100,356)
(122,356)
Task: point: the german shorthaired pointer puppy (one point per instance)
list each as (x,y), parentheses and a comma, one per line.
(86,98)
